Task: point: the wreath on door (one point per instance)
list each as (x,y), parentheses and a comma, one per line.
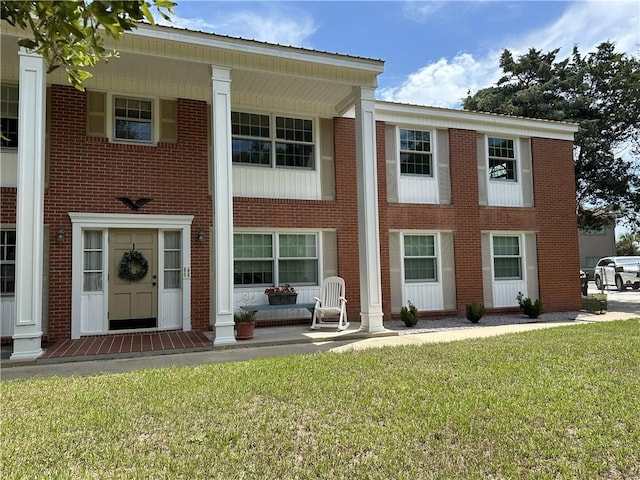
(135,259)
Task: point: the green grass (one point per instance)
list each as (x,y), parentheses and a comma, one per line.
(555,403)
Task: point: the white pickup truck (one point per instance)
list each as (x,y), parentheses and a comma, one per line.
(622,272)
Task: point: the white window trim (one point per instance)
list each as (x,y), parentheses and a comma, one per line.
(517,159)
(438,256)
(17,117)
(111,118)
(434,153)
(273,139)
(522,256)
(105,221)
(275,235)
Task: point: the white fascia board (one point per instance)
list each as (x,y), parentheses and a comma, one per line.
(397,113)
(258,48)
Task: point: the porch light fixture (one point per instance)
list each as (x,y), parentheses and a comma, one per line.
(201,235)
(60,235)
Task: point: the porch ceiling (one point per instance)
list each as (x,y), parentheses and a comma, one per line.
(178,64)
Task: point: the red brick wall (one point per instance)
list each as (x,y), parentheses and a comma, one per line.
(556,224)
(88,173)
(553,219)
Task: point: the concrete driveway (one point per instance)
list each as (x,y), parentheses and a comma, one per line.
(627,301)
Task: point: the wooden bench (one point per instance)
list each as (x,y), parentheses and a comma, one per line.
(291,306)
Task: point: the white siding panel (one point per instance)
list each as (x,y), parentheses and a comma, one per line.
(505,194)
(93,314)
(264,182)
(505,292)
(425,296)
(417,189)
(171,310)
(7,316)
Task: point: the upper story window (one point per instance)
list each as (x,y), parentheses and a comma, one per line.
(133,119)
(420,258)
(416,155)
(7,262)
(9,115)
(502,159)
(507,258)
(272,140)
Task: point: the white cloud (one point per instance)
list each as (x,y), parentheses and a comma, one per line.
(446,82)
(269,24)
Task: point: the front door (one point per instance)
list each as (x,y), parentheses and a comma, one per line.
(133,294)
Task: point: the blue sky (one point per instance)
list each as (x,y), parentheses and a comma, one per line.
(434,51)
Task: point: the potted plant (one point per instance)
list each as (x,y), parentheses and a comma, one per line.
(245,324)
(283,295)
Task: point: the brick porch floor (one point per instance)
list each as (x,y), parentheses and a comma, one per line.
(127,343)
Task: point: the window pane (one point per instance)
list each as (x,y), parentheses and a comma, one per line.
(93,260)
(93,240)
(298,271)
(294,155)
(251,151)
(501,147)
(292,245)
(7,278)
(92,282)
(506,246)
(252,272)
(172,279)
(252,245)
(419,245)
(507,268)
(419,269)
(172,259)
(172,240)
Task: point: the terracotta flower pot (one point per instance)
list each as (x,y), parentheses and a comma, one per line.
(244,330)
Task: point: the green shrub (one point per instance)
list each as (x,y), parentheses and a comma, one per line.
(530,308)
(409,315)
(474,311)
(243,316)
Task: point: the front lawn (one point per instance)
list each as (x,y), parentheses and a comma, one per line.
(554,403)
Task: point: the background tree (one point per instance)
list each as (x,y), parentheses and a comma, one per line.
(70,34)
(601,92)
(629,244)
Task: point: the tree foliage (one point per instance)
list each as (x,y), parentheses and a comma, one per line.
(599,91)
(70,34)
(628,244)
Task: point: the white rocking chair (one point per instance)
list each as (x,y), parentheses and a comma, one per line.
(331,304)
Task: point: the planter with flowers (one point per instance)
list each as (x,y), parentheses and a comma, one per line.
(283,295)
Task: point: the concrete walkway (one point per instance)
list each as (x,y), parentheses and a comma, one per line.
(285,341)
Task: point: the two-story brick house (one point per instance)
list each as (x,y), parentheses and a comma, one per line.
(225,165)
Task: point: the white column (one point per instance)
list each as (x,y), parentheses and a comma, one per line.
(30,208)
(368,226)
(222,205)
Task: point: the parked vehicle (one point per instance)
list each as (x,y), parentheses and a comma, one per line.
(622,272)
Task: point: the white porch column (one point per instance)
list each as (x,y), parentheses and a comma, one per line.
(30,208)
(222,205)
(368,226)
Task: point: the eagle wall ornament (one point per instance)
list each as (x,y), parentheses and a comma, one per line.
(137,205)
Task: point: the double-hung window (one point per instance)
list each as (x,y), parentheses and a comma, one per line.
(420,261)
(416,155)
(502,159)
(264,259)
(92,264)
(133,119)
(269,140)
(9,115)
(507,258)
(7,262)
